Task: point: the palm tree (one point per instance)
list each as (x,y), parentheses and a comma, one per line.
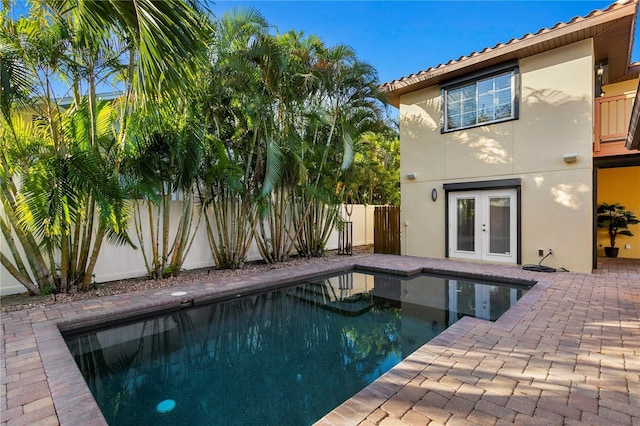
(17,142)
(63,200)
(286,70)
(346,105)
(169,153)
(312,102)
(233,108)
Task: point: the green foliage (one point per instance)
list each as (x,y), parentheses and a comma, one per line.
(61,191)
(288,111)
(616,219)
(375,176)
(263,128)
(47,289)
(165,153)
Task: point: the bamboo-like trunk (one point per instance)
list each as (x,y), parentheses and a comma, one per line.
(182,235)
(231,223)
(176,245)
(213,246)
(137,221)
(87,236)
(153,229)
(19,271)
(19,275)
(64,257)
(266,252)
(88,274)
(166,217)
(219,214)
(193,236)
(41,271)
(73,261)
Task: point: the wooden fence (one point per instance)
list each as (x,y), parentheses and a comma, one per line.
(386,230)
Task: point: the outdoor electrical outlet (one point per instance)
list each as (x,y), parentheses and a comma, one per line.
(540,252)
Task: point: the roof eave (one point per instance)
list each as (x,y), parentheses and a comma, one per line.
(514,49)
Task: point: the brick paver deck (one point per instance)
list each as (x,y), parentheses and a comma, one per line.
(567,353)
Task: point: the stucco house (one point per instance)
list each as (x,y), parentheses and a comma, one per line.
(507,152)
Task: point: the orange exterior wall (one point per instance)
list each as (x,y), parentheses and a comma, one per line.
(621,185)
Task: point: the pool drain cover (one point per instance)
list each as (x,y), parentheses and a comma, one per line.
(166,406)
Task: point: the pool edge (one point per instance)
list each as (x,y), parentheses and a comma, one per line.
(74,403)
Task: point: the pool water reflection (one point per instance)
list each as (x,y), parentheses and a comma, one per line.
(288,356)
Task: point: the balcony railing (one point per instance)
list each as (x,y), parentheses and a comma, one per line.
(611,123)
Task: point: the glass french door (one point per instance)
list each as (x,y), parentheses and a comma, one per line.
(482,225)
(479,300)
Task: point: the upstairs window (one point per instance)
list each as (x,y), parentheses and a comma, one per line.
(484,100)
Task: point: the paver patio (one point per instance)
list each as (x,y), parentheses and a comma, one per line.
(567,353)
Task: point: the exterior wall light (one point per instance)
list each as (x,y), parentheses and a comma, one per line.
(434,194)
(570,158)
(600,78)
(412,175)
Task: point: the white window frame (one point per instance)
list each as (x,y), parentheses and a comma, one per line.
(473,83)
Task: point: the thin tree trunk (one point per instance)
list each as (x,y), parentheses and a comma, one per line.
(19,268)
(64,257)
(88,275)
(73,261)
(166,217)
(137,221)
(213,246)
(154,239)
(87,236)
(18,275)
(193,237)
(41,271)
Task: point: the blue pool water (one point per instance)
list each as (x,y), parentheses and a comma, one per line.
(285,357)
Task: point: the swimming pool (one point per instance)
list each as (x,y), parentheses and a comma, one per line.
(287,356)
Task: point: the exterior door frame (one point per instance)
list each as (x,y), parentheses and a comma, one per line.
(605,163)
(483,229)
(487,185)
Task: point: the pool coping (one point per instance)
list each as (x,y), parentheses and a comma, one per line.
(362,404)
(74,404)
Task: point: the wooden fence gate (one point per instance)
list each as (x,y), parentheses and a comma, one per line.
(386,230)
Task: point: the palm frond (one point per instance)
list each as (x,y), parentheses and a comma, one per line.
(348,153)
(274,168)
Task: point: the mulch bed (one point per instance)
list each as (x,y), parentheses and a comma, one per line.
(22,301)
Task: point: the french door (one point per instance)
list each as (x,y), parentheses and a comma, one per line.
(478,300)
(483,225)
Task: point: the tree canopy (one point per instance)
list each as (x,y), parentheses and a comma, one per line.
(259,133)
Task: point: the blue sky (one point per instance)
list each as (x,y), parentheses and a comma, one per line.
(403,37)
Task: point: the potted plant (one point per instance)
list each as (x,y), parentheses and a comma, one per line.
(616,220)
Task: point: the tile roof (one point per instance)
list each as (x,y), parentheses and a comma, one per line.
(562,33)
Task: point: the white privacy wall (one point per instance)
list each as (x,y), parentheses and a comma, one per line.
(121,262)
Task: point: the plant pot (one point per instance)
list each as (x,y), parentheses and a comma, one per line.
(611,251)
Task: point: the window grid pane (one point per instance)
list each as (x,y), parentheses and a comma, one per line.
(465,234)
(482,101)
(500,225)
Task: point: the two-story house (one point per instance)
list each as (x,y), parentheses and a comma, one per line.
(507,152)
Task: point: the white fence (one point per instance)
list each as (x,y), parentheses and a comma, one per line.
(116,263)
